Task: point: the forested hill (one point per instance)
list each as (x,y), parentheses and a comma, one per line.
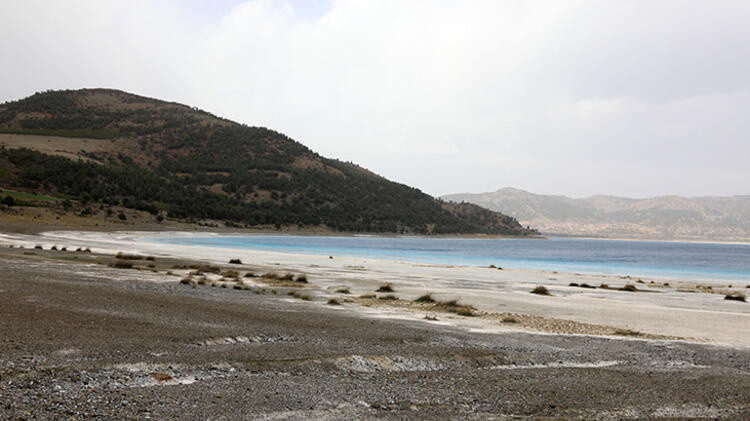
(116,148)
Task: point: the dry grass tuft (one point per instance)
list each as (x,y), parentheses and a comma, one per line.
(453,306)
(427,298)
(627,332)
(509,320)
(540,290)
(124,256)
(121,264)
(385,288)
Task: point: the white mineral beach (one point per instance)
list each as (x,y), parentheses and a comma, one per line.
(671,311)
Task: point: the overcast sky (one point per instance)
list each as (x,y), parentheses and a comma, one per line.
(633,98)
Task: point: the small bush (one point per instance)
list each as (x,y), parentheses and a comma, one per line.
(53,248)
(573,284)
(63,248)
(385,288)
(250,275)
(603,286)
(736,296)
(150,258)
(38,247)
(230,274)
(235,261)
(121,264)
(427,298)
(540,290)
(209,269)
(453,306)
(186,281)
(389,297)
(334,302)
(301,279)
(627,332)
(587,286)
(123,256)
(343,291)
(368,296)
(629,288)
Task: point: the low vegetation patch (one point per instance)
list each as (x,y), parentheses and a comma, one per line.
(385,288)
(627,332)
(368,296)
(736,296)
(427,298)
(121,264)
(509,320)
(230,274)
(343,291)
(124,256)
(453,306)
(301,296)
(573,284)
(629,288)
(389,297)
(540,290)
(334,302)
(235,261)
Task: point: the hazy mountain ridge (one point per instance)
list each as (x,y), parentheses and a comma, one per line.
(663,217)
(111,148)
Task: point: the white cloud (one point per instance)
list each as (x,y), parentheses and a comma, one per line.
(582,97)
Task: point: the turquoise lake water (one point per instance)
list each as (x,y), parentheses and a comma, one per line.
(635,258)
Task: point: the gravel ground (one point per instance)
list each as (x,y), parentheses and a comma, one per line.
(90,342)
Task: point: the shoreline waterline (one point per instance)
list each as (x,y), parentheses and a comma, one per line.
(671,307)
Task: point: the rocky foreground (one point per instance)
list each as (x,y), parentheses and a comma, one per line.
(84,341)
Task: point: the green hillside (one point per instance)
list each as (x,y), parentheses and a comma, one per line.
(183,163)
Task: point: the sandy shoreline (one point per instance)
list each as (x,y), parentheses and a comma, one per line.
(87,336)
(673,308)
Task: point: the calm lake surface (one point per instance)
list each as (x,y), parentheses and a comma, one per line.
(637,258)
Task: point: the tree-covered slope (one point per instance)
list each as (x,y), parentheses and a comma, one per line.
(181,162)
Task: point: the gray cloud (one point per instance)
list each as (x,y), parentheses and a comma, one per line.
(631,97)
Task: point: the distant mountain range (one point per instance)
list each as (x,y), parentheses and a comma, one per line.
(105,148)
(664,217)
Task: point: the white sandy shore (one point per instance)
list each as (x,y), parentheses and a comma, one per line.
(698,316)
